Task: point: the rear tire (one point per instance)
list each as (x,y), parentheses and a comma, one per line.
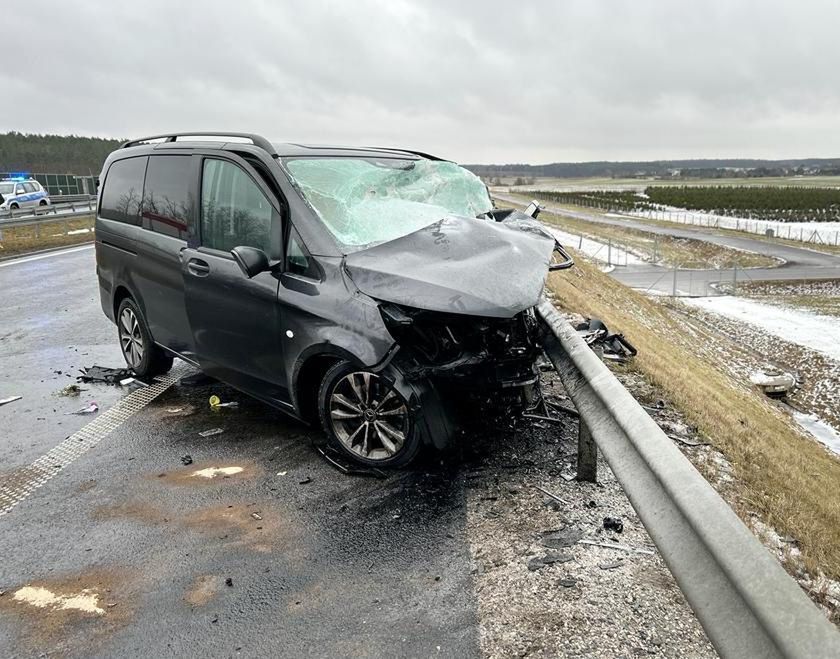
(139,350)
(366,418)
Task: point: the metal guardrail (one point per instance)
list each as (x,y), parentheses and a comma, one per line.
(744,599)
(69,208)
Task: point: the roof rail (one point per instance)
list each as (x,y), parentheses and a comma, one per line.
(257,140)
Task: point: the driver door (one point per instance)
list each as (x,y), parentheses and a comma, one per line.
(235,321)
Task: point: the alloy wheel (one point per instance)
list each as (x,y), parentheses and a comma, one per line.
(369,416)
(131,339)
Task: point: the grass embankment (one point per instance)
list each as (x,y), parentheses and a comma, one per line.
(525,199)
(789,480)
(45,234)
(665,250)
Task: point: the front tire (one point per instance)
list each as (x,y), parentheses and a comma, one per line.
(366,418)
(139,350)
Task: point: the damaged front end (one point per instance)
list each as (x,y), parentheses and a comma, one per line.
(471,361)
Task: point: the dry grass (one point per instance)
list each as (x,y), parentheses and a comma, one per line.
(45,234)
(788,479)
(666,250)
(821,296)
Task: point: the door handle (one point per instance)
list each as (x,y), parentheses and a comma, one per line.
(198,267)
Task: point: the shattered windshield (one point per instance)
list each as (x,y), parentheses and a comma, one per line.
(366,201)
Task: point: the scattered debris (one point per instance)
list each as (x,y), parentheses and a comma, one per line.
(282,473)
(549,494)
(174,410)
(186,460)
(216,403)
(615,346)
(10,399)
(129,381)
(336,460)
(613,524)
(562,538)
(306,480)
(773,381)
(613,545)
(211,432)
(535,564)
(556,557)
(70,390)
(90,408)
(229,582)
(611,566)
(104,374)
(257,516)
(568,582)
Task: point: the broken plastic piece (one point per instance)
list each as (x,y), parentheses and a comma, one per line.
(104,374)
(71,390)
(90,408)
(613,524)
(211,432)
(216,403)
(10,399)
(186,459)
(615,346)
(613,545)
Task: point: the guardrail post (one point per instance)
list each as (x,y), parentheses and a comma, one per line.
(587,455)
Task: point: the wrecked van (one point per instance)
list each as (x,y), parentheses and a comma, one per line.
(368,290)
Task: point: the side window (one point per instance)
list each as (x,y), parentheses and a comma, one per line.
(19,189)
(298,259)
(30,187)
(123,190)
(234,211)
(167,202)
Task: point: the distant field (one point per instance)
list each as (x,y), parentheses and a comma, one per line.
(641,183)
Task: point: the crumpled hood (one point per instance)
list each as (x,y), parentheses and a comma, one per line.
(457,265)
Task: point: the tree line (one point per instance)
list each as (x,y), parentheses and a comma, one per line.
(54,154)
(780,203)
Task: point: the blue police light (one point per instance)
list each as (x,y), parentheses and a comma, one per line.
(19,176)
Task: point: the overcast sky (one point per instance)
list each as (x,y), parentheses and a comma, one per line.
(475,81)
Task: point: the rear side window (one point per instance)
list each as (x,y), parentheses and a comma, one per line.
(123,191)
(234,211)
(30,187)
(167,199)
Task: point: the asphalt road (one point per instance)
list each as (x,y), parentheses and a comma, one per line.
(319,563)
(799,262)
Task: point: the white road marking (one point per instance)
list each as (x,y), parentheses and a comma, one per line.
(42,598)
(212,472)
(22,482)
(46,255)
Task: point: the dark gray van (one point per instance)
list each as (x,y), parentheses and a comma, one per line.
(366,289)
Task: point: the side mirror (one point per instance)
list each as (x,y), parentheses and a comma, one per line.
(251,260)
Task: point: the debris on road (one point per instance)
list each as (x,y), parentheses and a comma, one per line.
(568,582)
(229,582)
(613,524)
(549,494)
(129,381)
(611,566)
(257,516)
(104,374)
(216,403)
(186,460)
(614,346)
(70,390)
(773,381)
(613,545)
(90,408)
(211,432)
(10,399)
(562,538)
(556,557)
(305,481)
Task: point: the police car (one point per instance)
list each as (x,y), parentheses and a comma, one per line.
(15,194)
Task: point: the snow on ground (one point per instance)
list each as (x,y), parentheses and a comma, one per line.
(823,432)
(809,232)
(599,251)
(820,333)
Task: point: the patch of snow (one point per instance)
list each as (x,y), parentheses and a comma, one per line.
(599,251)
(821,431)
(819,333)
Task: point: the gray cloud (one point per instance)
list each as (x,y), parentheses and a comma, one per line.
(483,81)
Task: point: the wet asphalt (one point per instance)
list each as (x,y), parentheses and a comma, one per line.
(286,557)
